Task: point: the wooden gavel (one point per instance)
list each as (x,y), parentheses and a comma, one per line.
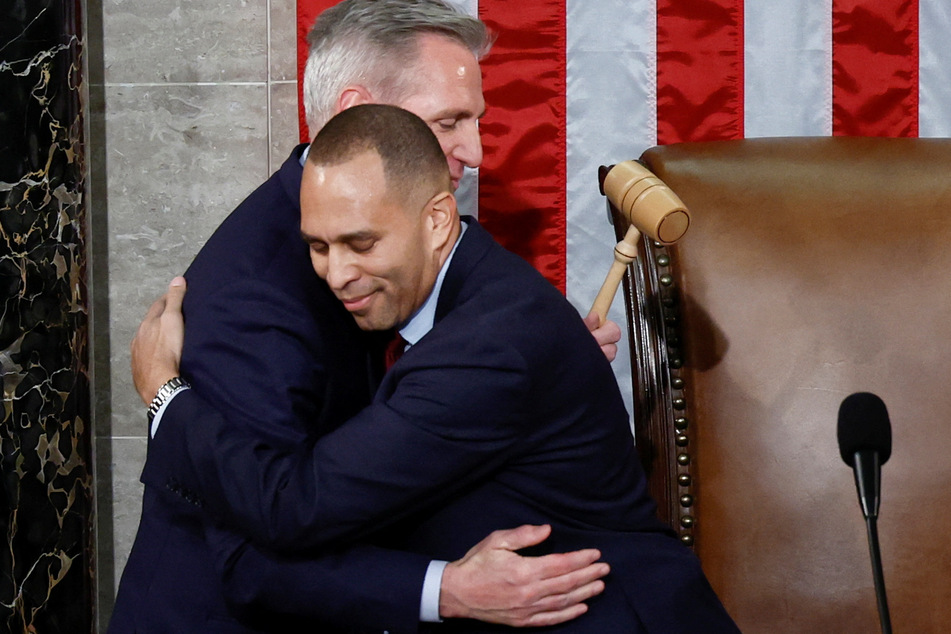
(651,207)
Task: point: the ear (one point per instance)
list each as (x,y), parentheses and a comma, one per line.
(353,95)
(442,214)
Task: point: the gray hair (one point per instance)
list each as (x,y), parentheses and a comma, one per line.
(374,43)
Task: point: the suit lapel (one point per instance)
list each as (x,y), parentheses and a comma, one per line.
(474,245)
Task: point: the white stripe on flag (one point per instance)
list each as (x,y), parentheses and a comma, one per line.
(934,68)
(611,117)
(788,68)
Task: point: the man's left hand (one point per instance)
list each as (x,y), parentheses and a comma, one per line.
(607,335)
(157,345)
(493,583)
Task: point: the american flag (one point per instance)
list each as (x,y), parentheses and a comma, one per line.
(574,84)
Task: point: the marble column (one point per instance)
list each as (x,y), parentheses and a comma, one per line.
(46,500)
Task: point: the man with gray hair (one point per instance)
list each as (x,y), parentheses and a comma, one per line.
(359,52)
(501,410)
(270,347)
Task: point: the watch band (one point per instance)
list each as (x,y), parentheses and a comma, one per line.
(171,387)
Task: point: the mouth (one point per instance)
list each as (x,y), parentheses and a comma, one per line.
(456,174)
(357,304)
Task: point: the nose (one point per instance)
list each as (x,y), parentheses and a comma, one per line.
(468,148)
(339,270)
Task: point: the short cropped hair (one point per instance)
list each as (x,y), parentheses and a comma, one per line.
(414,165)
(374,43)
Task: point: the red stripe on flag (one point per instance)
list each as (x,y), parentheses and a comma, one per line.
(699,70)
(875,68)
(523,175)
(307,12)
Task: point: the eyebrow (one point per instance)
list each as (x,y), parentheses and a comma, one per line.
(457,114)
(309,239)
(356,236)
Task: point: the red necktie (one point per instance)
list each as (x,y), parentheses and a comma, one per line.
(394,350)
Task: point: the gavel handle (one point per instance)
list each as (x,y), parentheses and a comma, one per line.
(625,252)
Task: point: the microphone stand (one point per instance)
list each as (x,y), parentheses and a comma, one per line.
(872,528)
(867,472)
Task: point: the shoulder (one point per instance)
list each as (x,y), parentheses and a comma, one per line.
(492,294)
(259,239)
(483,267)
(484,272)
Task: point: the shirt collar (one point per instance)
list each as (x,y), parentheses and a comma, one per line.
(424,318)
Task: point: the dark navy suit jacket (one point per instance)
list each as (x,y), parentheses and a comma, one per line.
(269,346)
(506,412)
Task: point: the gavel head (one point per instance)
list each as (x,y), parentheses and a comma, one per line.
(646,201)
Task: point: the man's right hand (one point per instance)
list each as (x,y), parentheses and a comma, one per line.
(607,334)
(157,345)
(492,583)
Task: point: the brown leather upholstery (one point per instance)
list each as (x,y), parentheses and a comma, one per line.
(813,268)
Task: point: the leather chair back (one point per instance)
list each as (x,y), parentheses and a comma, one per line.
(813,268)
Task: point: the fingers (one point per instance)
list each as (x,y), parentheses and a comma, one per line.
(517,538)
(563,598)
(494,583)
(171,300)
(154,312)
(608,333)
(560,608)
(560,564)
(175,294)
(563,581)
(156,347)
(559,616)
(571,581)
(592,321)
(156,309)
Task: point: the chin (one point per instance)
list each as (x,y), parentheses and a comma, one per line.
(367,326)
(367,323)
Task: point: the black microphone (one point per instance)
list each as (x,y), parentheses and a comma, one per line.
(865,444)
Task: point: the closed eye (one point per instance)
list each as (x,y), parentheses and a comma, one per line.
(364,245)
(447,125)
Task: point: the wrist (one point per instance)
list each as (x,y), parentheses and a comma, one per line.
(166,391)
(450,606)
(149,386)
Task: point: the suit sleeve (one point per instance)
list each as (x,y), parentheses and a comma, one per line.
(360,586)
(450,421)
(246,351)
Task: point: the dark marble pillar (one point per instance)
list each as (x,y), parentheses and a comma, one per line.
(46,501)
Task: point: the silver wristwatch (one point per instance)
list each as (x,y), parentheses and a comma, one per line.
(164,393)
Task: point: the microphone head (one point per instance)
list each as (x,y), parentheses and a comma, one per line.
(864,425)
